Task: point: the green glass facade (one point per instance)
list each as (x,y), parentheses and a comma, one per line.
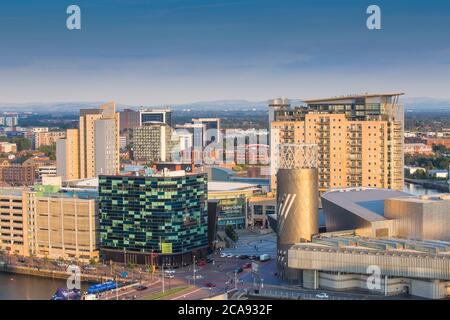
(137,214)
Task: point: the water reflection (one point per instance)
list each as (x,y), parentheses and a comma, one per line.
(418,190)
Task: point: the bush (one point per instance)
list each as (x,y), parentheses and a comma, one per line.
(231,233)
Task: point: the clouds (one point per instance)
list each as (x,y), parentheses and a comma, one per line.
(187,50)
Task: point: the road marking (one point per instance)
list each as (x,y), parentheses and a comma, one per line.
(183,295)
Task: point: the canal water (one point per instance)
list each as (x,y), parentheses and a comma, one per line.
(21,287)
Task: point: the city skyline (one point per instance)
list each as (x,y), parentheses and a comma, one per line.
(172,52)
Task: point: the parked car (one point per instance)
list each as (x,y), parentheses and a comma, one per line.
(201,263)
(264,257)
(141,288)
(322,295)
(244,256)
(223,255)
(230,255)
(210,285)
(246,265)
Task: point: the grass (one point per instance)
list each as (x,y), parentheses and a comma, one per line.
(170,292)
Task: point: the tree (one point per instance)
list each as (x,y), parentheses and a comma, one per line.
(50,151)
(439,148)
(231,233)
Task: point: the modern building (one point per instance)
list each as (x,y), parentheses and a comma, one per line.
(393,266)
(151,142)
(48,138)
(212,127)
(107,147)
(92,144)
(361,209)
(259,210)
(232,200)
(359,139)
(154,219)
(155,115)
(92,149)
(425,217)
(129,119)
(297,199)
(68,156)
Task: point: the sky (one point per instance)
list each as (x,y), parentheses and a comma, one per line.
(151,52)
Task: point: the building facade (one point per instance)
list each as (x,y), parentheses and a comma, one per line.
(68,155)
(88,145)
(142,216)
(359,138)
(17,174)
(47,138)
(151,142)
(47,224)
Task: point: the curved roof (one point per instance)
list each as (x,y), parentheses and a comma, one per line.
(367,203)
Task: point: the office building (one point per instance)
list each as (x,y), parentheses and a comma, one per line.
(359,139)
(212,127)
(155,115)
(107,147)
(154,218)
(151,142)
(68,156)
(232,203)
(129,119)
(259,210)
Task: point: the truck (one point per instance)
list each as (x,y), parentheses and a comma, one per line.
(264,257)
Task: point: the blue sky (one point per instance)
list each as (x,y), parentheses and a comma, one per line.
(178,51)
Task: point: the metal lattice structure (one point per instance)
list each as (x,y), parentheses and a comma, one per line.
(297,156)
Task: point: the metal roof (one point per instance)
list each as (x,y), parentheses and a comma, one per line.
(367,203)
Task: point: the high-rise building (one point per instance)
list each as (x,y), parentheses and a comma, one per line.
(212,127)
(160,216)
(359,139)
(106,144)
(68,156)
(129,119)
(155,115)
(87,138)
(151,142)
(47,138)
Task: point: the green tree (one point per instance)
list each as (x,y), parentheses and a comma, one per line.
(50,151)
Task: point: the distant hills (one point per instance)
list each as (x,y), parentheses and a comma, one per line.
(411,104)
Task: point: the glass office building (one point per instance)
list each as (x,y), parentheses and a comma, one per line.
(155,218)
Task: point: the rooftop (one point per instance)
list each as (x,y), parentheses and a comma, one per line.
(354,96)
(368,203)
